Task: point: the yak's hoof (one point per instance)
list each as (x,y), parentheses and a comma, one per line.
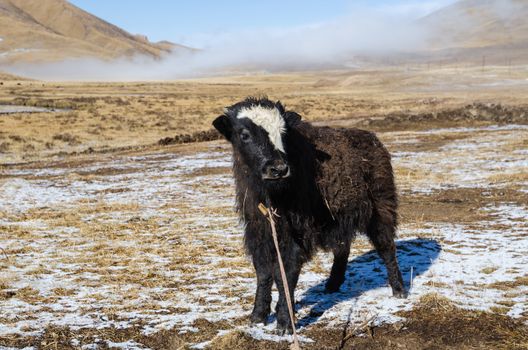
(283,330)
(400,294)
(256,319)
(332,287)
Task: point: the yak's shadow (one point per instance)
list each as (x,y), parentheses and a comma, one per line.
(367,272)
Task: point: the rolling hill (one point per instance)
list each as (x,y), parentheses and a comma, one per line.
(493,30)
(473,31)
(10,77)
(51,30)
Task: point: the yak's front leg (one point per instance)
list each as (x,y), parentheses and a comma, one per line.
(292,264)
(264,270)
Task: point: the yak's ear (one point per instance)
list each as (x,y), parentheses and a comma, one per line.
(224,126)
(292,118)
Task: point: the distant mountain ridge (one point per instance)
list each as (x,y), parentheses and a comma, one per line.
(52,30)
(472,31)
(492,30)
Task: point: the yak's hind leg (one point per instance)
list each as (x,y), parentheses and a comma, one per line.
(382,234)
(337,275)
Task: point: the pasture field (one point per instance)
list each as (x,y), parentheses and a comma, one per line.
(109,116)
(111,240)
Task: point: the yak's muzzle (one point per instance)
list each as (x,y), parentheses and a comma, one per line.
(275,170)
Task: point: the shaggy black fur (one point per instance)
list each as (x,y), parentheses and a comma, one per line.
(340,182)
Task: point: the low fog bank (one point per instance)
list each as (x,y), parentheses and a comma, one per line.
(320,45)
(364,32)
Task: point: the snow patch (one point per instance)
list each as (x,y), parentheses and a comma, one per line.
(468,162)
(128,345)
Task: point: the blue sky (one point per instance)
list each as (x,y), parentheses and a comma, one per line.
(191,22)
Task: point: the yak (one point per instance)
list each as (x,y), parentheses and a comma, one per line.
(325,184)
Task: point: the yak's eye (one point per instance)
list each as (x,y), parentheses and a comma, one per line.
(245,135)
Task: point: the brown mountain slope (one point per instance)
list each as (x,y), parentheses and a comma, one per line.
(497,29)
(48,30)
(9,77)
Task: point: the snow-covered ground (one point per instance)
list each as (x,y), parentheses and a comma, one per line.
(467,162)
(17,51)
(152,241)
(10,109)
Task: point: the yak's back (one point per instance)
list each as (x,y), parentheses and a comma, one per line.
(354,170)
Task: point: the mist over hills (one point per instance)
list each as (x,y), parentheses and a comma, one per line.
(493,30)
(52,39)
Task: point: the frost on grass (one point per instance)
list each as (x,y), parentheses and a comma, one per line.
(152,241)
(128,239)
(471,161)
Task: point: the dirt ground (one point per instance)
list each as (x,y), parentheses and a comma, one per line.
(135,245)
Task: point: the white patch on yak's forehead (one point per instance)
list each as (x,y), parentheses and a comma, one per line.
(270,119)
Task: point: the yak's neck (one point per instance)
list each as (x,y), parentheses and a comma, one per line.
(298,194)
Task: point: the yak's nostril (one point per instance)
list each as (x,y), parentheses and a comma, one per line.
(275,170)
(279,170)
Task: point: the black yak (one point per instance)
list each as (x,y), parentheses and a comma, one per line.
(326,184)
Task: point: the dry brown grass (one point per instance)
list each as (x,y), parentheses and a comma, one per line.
(107,116)
(235,340)
(508,178)
(454,327)
(506,285)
